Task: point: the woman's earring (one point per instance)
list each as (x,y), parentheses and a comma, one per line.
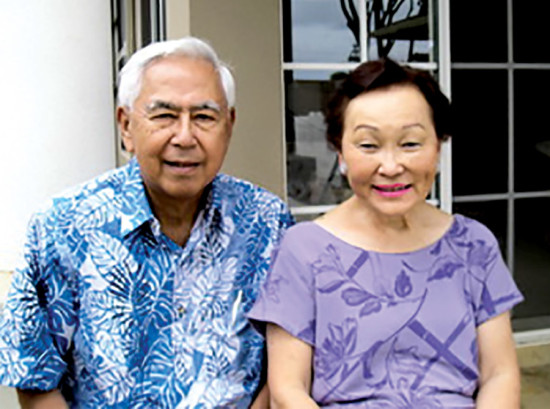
(343,167)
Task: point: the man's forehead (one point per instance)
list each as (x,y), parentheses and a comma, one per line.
(180,65)
(173,78)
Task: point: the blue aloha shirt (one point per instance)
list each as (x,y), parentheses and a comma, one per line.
(113,313)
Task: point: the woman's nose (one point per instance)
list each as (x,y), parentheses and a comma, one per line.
(390,164)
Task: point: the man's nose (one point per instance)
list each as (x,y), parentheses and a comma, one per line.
(390,164)
(183,134)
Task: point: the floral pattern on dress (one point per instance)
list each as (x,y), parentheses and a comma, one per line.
(389,330)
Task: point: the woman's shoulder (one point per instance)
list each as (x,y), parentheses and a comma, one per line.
(309,238)
(301,232)
(470,229)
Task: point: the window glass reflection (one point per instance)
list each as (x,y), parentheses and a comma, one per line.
(317,31)
(400,30)
(312,171)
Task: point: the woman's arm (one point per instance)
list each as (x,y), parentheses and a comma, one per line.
(289,366)
(41,400)
(499,371)
(262,400)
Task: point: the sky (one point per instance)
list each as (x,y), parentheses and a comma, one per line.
(320,34)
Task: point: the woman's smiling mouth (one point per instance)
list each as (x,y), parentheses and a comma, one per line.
(394,190)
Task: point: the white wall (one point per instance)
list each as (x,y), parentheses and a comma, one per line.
(56,108)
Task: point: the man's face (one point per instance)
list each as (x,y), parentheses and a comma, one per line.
(178,127)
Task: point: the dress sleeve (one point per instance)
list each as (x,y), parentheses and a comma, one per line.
(287,297)
(492,287)
(35,322)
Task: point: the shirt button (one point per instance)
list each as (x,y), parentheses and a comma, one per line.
(181,311)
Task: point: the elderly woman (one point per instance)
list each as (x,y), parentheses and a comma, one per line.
(387,301)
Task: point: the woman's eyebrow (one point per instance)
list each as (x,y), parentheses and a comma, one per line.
(365,126)
(416,124)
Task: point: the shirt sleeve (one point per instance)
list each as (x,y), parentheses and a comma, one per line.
(492,287)
(36,319)
(287,298)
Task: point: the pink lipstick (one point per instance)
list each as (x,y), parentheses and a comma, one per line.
(394,190)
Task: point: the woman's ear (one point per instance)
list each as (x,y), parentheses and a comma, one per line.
(342,165)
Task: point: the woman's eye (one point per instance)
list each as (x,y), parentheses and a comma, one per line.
(368,146)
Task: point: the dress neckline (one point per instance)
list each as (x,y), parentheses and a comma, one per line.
(455,220)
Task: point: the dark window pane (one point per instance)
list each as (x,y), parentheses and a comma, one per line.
(531,31)
(492,214)
(480,138)
(479,31)
(146,34)
(312,174)
(317,31)
(401,33)
(532,256)
(531,136)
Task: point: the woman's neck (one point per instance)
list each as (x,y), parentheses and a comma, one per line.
(360,225)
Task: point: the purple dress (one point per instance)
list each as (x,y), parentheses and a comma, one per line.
(389,330)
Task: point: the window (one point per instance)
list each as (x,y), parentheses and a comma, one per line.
(136,23)
(501,147)
(322,40)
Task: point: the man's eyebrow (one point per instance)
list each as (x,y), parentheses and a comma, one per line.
(153,106)
(206,105)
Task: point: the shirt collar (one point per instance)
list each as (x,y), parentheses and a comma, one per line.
(135,209)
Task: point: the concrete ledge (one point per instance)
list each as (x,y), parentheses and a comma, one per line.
(533,355)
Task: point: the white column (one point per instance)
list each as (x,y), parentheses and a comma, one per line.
(56,106)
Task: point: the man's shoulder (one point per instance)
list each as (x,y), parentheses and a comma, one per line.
(91,195)
(235,190)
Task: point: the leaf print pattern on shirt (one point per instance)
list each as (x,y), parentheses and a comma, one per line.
(105,307)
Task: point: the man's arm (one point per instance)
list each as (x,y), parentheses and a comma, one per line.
(499,371)
(41,400)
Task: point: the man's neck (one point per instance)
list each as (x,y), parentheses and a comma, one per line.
(177,217)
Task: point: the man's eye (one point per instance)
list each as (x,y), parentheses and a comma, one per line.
(410,145)
(204,117)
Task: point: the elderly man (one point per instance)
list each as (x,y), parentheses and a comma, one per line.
(134,286)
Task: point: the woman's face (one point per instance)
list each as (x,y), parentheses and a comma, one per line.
(390,148)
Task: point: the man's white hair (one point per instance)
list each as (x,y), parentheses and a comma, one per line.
(131,75)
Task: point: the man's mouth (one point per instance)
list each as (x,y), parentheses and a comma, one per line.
(184,164)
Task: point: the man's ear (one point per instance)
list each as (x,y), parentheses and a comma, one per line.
(123,120)
(232,115)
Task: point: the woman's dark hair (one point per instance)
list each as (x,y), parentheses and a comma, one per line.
(385,73)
